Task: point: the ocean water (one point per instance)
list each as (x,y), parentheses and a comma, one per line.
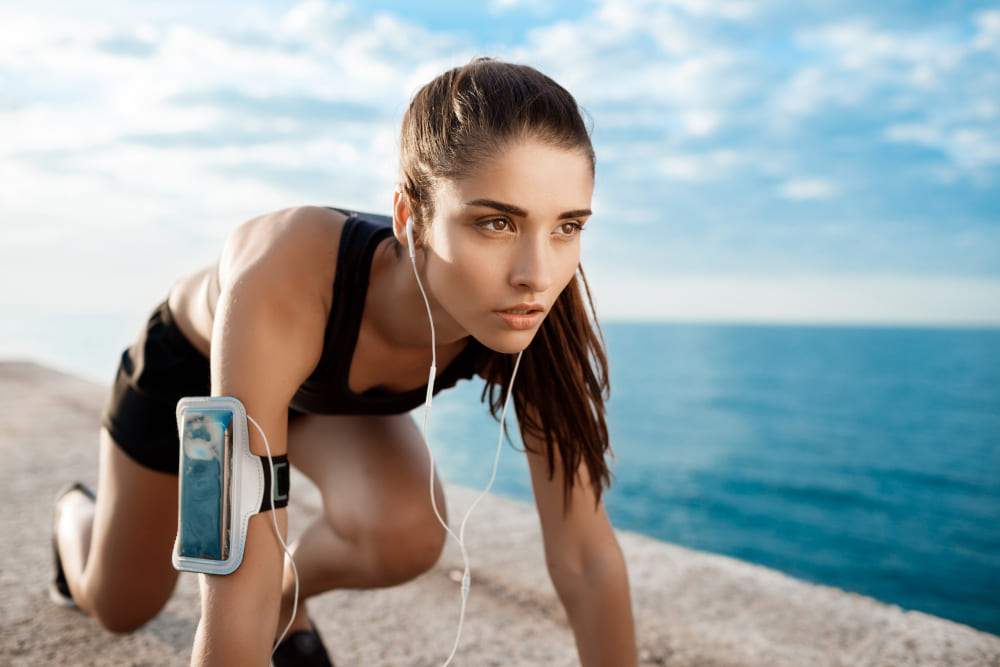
(862,458)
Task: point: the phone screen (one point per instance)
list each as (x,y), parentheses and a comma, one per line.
(206,453)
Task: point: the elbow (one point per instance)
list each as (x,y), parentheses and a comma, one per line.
(568,578)
(577,573)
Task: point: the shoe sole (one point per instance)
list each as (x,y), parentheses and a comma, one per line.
(56,594)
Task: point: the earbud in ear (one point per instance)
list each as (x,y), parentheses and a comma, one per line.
(409,237)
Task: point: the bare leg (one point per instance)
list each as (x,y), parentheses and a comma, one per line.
(116,553)
(378,528)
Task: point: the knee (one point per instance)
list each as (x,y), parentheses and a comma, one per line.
(406,545)
(123,612)
(119,621)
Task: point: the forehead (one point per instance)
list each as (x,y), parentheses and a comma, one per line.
(534,175)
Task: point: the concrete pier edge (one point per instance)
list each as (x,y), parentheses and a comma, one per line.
(692,608)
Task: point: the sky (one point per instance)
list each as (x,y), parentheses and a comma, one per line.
(758,160)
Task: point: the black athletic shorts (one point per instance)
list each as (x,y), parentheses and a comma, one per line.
(159,369)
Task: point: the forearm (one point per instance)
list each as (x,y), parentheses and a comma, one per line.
(240,610)
(599,607)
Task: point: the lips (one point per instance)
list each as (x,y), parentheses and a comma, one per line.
(522,316)
(523,309)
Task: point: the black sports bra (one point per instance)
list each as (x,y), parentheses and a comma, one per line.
(326,390)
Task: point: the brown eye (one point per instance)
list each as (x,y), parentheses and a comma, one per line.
(495,225)
(571,228)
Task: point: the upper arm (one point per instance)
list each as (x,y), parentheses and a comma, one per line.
(270,319)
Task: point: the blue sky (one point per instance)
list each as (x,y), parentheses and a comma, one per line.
(758,161)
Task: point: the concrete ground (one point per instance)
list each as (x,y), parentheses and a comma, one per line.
(692,608)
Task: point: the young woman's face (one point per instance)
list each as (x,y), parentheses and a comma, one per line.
(505,242)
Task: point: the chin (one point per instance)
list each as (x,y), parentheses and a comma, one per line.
(508,344)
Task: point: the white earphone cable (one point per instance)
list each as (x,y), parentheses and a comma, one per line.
(277,532)
(460,537)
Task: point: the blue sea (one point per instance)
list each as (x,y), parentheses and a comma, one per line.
(862,458)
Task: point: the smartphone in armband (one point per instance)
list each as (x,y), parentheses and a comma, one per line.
(221,484)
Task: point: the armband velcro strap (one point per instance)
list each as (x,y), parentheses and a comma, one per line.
(279,486)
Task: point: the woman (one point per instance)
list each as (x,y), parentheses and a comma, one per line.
(313,318)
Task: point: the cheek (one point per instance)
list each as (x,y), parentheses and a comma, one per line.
(476,272)
(568,265)
(464,272)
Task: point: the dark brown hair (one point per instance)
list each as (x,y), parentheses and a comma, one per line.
(453,125)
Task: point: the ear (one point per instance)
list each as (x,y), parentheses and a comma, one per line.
(400,212)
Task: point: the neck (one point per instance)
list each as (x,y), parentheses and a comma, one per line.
(397,306)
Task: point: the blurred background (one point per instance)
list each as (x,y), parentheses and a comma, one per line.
(795,252)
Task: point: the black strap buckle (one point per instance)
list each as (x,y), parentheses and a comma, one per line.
(280,488)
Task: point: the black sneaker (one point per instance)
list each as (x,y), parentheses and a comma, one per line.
(303,648)
(58,588)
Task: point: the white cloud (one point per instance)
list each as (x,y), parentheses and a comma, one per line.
(851,62)
(71,121)
(986,109)
(859,46)
(501,6)
(988,37)
(936,78)
(699,168)
(975,148)
(971,149)
(701,122)
(817,88)
(605,56)
(314,18)
(807,189)
(730,9)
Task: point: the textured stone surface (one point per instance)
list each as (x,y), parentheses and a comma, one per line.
(692,608)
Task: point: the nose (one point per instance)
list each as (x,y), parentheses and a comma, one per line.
(533,265)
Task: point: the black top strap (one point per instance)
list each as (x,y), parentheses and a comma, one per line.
(326,390)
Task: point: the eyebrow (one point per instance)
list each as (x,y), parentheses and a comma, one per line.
(510,209)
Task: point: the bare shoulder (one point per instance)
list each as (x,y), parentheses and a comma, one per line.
(293,249)
(278,269)
(275,289)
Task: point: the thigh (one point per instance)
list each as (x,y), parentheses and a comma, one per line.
(129,570)
(370,470)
